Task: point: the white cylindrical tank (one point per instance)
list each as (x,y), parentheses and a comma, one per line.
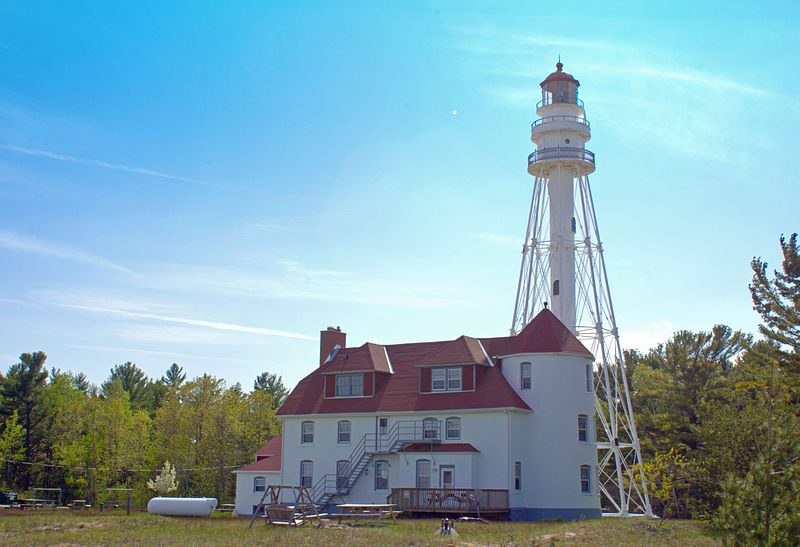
(182,507)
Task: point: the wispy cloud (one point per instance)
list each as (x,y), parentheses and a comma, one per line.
(654,333)
(498,238)
(292,280)
(103,164)
(170,354)
(18,242)
(233,327)
(704,79)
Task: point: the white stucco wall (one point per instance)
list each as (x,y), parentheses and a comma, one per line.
(548,444)
(246,498)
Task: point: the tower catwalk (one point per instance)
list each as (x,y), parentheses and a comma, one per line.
(562,263)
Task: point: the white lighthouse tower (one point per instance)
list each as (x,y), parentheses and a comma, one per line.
(562,263)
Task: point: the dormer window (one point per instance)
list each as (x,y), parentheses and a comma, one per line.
(446,379)
(349,385)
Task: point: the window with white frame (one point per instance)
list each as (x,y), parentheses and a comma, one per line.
(343,432)
(423,473)
(517,475)
(307,432)
(453,428)
(583,427)
(349,385)
(586,486)
(430,428)
(381,475)
(525,376)
(259,484)
(307,473)
(446,379)
(589,378)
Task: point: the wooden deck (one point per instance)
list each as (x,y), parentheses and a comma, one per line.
(463,501)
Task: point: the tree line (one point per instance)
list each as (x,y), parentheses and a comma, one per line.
(58,430)
(718,416)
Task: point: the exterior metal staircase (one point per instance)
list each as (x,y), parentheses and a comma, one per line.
(400,435)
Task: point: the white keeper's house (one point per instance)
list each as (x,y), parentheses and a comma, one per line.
(492,425)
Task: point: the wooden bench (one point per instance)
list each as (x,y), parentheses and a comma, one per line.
(284,515)
(226,508)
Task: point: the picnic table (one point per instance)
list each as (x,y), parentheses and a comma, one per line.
(351,511)
(32,503)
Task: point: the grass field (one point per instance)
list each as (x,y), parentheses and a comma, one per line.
(80,528)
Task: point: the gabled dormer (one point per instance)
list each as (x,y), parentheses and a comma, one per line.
(351,372)
(452,367)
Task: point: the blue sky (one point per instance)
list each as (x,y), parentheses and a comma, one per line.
(213,183)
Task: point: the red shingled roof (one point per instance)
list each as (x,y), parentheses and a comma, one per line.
(367,358)
(268,457)
(463,350)
(400,391)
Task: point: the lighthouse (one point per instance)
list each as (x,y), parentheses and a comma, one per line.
(563,265)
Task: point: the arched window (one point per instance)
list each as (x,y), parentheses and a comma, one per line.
(343,432)
(381,475)
(423,473)
(453,428)
(583,427)
(430,429)
(586,486)
(307,432)
(307,473)
(525,376)
(259,484)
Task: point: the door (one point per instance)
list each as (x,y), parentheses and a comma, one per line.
(447,477)
(382,429)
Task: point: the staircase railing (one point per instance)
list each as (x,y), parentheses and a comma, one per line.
(397,437)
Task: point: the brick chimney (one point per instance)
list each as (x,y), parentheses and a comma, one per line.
(328,339)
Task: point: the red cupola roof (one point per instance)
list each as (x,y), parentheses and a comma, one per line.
(560,76)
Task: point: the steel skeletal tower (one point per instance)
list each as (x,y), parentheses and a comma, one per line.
(562,263)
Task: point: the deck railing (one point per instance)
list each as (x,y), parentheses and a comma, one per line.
(561,152)
(449,500)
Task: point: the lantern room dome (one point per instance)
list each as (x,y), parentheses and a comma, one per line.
(560,76)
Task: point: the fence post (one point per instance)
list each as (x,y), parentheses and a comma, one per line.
(130,499)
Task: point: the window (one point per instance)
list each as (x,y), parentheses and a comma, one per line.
(342,467)
(343,436)
(381,475)
(307,432)
(453,429)
(585,484)
(573,225)
(349,385)
(423,473)
(307,473)
(383,426)
(517,475)
(589,378)
(448,476)
(430,428)
(259,484)
(525,376)
(582,427)
(446,379)
(555,288)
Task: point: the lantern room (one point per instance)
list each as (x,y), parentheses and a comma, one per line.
(560,87)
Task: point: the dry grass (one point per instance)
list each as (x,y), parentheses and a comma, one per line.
(109,528)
